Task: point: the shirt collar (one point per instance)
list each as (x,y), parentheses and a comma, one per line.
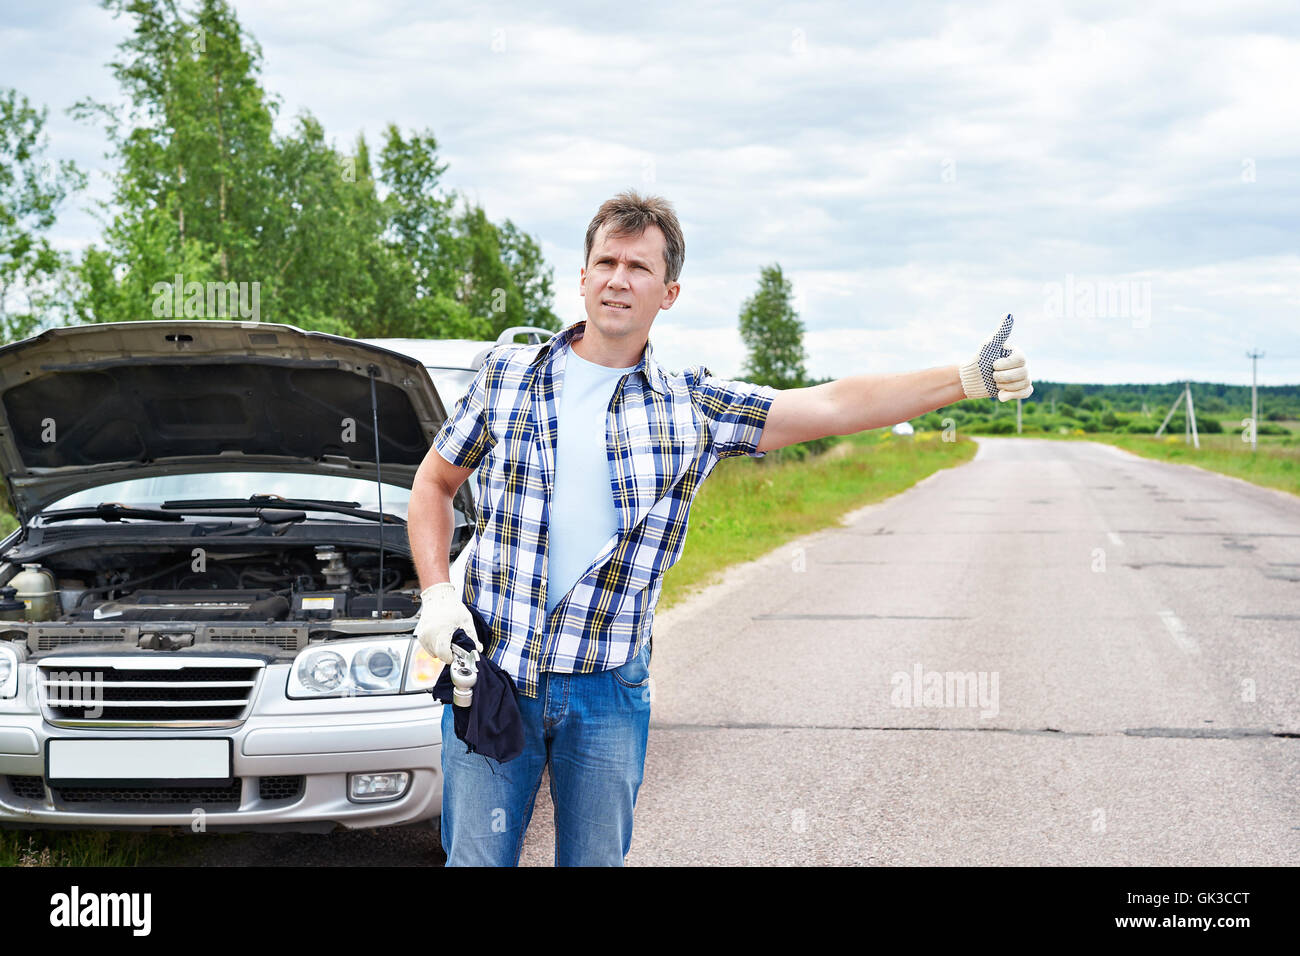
(563,339)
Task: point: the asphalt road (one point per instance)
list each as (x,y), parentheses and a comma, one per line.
(1129,628)
(1141,619)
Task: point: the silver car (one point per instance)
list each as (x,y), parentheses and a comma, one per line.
(206,613)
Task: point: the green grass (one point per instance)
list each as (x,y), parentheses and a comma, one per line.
(78,848)
(1276,464)
(747,507)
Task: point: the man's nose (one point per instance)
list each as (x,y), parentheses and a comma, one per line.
(619,278)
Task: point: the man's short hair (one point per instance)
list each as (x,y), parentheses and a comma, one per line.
(629,214)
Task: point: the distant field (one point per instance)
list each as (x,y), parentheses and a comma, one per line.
(1276,463)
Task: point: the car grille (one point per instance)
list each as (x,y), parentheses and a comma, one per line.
(146,691)
(269,789)
(285,641)
(288,637)
(280,788)
(145,799)
(27,788)
(50,641)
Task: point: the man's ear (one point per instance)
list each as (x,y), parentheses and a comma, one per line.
(582,282)
(670,295)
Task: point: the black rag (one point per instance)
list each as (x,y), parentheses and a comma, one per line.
(491,724)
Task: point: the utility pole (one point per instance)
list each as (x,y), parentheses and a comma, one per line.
(1189,420)
(1254,401)
(1172,408)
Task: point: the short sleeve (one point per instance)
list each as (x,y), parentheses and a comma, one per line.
(465,437)
(736,411)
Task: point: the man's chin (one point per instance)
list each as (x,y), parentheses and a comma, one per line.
(615,327)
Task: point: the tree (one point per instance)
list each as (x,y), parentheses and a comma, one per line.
(773,337)
(532,277)
(191,196)
(31,190)
(418,218)
(471,278)
(207,190)
(773,334)
(502,273)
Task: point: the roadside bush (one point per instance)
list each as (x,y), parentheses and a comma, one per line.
(996,426)
(1141,426)
(1066,411)
(1109,419)
(1090,424)
(801,451)
(1263,428)
(1205,426)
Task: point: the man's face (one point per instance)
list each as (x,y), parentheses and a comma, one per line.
(623,284)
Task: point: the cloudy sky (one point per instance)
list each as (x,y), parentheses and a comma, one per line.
(1125,180)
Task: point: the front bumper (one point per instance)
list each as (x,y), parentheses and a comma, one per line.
(291,761)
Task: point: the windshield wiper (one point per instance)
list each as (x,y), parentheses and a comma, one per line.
(110,511)
(352,508)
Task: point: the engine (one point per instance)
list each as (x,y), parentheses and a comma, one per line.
(302,584)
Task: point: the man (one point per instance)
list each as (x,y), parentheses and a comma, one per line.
(590,455)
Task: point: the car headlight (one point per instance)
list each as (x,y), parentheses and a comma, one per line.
(425,669)
(8,672)
(355,668)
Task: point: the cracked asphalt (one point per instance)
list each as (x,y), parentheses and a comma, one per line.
(1056,653)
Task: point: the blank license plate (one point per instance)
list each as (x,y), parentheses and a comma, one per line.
(206,760)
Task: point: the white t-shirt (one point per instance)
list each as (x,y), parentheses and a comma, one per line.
(583,515)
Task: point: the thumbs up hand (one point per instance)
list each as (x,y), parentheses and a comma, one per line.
(997,371)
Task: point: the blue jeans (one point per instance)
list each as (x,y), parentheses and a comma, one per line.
(590,731)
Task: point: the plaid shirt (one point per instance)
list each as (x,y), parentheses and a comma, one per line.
(664,434)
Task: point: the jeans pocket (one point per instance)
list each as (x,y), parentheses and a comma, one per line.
(636,672)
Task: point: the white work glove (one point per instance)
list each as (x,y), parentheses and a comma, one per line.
(996,371)
(441,613)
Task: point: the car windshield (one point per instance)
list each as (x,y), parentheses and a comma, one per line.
(451,383)
(151,492)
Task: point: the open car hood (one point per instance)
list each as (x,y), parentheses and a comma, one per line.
(94,404)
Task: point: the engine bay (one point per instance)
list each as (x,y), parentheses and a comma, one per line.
(151,584)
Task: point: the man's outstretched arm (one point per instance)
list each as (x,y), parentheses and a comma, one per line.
(861,402)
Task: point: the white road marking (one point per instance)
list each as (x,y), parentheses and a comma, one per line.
(1114,538)
(1179,633)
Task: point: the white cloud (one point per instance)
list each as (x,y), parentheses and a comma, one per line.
(917,171)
